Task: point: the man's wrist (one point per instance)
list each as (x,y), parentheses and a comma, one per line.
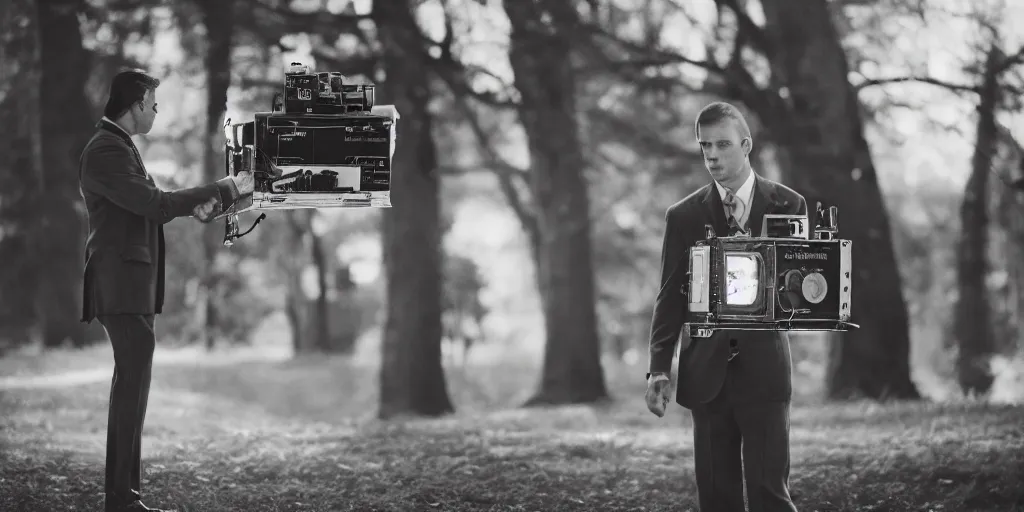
(657,376)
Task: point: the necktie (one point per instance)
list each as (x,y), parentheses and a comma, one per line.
(735,210)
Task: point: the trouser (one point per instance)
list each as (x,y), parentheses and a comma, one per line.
(725,428)
(133,340)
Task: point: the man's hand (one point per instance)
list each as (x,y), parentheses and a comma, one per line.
(206,211)
(244,182)
(657,393)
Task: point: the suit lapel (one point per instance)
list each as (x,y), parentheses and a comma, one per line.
(715,210)
(765,200)
(763,197)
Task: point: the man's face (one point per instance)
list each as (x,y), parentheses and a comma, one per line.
(144,112)
(725,149)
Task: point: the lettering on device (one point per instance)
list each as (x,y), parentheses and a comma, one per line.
(806,256)
(351,138)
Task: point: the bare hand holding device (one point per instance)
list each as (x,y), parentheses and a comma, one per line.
(658,394)
(206,211)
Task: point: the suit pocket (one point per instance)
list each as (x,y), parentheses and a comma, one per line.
(139,253)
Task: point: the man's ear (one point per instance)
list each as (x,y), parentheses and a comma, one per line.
(747,144)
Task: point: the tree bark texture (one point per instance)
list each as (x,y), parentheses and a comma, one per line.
(296,304)
(972,316)
(412,377)
(540,53)
(812,112)
(322,332)
(1008,215)
(219,21)
(20,169)
(66,124)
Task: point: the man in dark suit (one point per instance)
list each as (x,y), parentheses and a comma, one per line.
(737,384)
(124,269)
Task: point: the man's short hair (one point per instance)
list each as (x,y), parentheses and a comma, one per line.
(718,111)
(126,89)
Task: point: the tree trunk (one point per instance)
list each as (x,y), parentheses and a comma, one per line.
(528,220)
(540,54)
(412,377)
(297,304)
(66,125)
(1008,210)
(346,317)
(813,113)
(972,318)
(219,21)
(294,305)
(20,169)
(322,331)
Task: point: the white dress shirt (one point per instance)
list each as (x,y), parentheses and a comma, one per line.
(744,197)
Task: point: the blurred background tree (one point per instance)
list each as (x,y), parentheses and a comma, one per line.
(21,155)
(540,144)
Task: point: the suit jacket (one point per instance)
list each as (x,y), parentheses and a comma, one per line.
(763,369)
(124,251)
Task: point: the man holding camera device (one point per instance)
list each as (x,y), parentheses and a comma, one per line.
(124,270)
(737,384)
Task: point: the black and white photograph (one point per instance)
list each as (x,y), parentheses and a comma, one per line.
(512,255)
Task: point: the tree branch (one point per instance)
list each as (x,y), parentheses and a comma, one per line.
(503,169)
(455,73)
(515,202)
(748,29)
(920,79)
(1012,60)
(646,139)
(653,56)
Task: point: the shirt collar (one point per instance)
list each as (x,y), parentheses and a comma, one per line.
(744,193)
(114,123)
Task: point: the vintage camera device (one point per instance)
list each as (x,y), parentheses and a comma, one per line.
(325,144)
(791,278)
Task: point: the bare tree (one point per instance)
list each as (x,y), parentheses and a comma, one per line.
(309,324)
(973,326)
(1008,213)
(20,167)
(411,377)
(66,124)
(541,53)
(812,111)
(218,20)
(972,318)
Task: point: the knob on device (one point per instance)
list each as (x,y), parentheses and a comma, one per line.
(796,287)
(814,288)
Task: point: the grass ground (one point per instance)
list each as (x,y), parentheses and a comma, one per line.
(263,435)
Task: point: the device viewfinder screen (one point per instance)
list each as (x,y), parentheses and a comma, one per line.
(741,279)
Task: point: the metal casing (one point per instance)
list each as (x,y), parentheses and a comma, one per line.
(761,283)
(700,279)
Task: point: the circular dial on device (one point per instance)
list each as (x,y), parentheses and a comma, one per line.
(814,288)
